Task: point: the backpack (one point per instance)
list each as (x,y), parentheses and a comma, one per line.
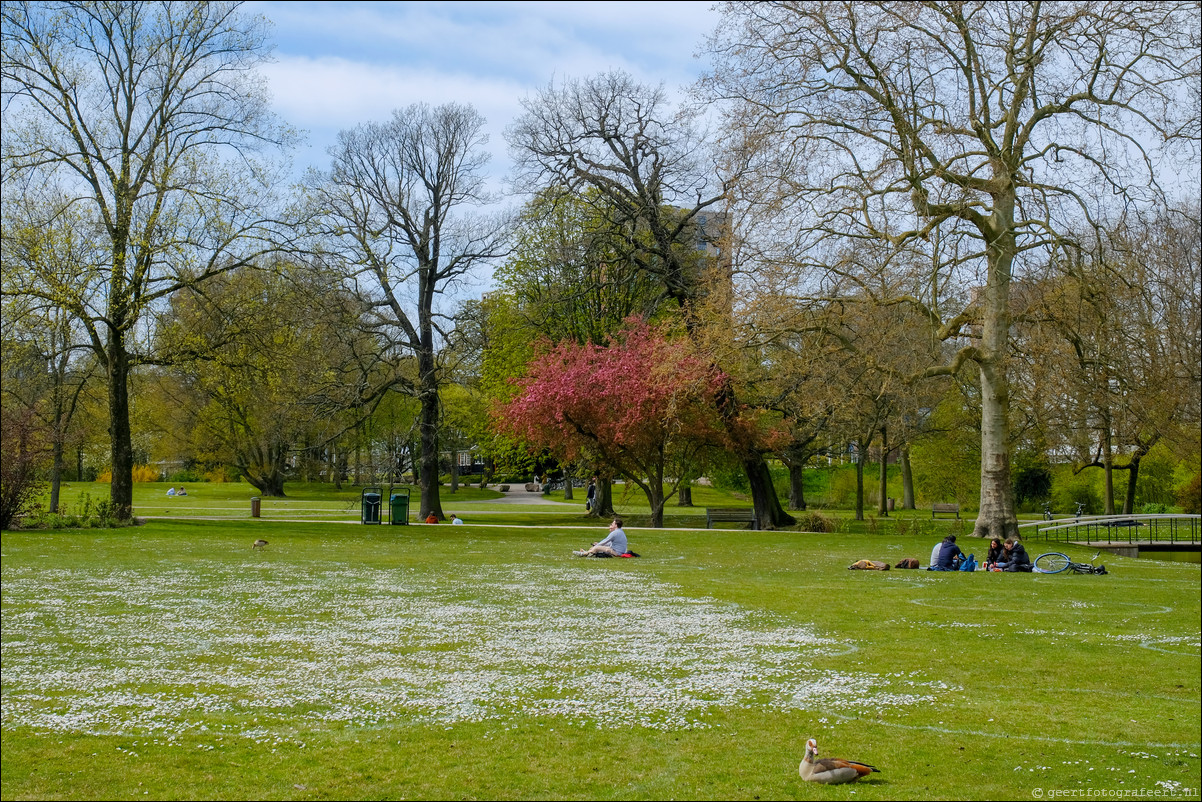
(969,564)
(907,562)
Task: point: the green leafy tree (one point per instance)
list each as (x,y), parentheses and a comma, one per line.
(146,116)
(257,360)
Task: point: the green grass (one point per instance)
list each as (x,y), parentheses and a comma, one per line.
(321,502)
(172,661)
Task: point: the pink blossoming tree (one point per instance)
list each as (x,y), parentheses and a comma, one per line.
(643,406)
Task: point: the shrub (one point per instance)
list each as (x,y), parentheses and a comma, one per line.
(20,456)
(1189,496)
(88,514)
(146,473)
(187,475)
(814,522)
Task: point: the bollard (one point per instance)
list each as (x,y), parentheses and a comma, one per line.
(254,507)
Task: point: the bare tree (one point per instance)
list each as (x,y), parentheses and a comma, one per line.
(994,128)
(1121,356)
(650,172)
(393,208)
(146,116)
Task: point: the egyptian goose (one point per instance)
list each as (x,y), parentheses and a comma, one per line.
(260,543)
(830,770)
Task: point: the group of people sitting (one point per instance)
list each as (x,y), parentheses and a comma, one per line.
(1007,556)
(454,519)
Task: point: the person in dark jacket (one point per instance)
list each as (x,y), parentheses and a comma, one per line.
(1014,557)
(950,555)
(995,554)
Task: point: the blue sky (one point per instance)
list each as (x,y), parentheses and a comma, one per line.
(339,64)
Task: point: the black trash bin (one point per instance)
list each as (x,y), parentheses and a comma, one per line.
(371,503)
(398,508)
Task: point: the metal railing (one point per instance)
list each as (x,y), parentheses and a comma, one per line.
(1131,529)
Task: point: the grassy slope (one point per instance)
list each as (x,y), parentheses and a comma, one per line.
(1056,682)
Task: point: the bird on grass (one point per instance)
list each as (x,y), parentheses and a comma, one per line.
(830,770)
(260,543)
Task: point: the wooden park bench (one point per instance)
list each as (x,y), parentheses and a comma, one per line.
(945,509)
(742,515)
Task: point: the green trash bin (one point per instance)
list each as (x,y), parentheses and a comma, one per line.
(370,505)
(398,508)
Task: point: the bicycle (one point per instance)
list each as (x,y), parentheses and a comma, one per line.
(1054,563)
(1048,516)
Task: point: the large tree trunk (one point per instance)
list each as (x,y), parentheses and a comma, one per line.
(121,492)
(861,458)
(797,490)
(428,433)
(1132,481)
(768,512)
(883,505)
(603,503)
(269,484)
(907,480)
(655,497)
(56,470)
(1108,467)
(997,517)
(264,469)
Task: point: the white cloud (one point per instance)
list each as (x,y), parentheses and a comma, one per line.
(341,64)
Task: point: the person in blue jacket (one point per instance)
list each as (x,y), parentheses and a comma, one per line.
(950,555)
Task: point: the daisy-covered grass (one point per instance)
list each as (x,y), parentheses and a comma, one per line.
(173,660)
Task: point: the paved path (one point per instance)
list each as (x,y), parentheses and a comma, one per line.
(518,495)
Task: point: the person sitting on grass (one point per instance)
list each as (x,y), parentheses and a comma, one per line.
(181,491)
(950,555)
(614,545)
(995,554)
(455,519)
(431,518)
(1014,558)
(171,491)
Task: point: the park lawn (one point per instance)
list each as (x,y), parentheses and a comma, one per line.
(320,502)
(172,660)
